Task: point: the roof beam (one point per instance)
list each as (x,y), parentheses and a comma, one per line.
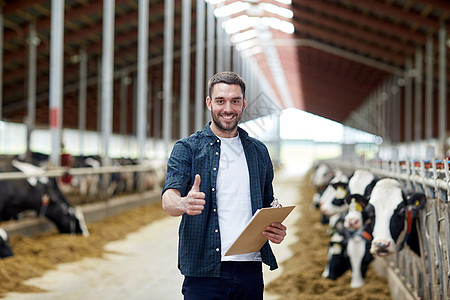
(357,32)
(398,14)
(335,11)
(350,43)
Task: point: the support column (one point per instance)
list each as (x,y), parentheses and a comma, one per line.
(1,63)
(210,50)
(107,76)
(168,68)
(408,101)
(82,99)
(185,68)
(142,90)
(442,117)
(56,78)
(429,89)
(418,109)
(125,81)
(200,65)
(220,47)
(30,122)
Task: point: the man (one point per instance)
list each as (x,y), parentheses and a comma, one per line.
(216,179)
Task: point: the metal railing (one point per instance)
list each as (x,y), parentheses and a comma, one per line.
(426,276)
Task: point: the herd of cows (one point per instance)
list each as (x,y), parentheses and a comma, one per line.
(367,217)
(46,196)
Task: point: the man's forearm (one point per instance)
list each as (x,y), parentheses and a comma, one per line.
(172,203)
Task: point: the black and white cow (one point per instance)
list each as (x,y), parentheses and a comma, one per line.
(349,246)
(320,178)
(40,194)
(332,202)
(5,248)
(358,225)
(394,218)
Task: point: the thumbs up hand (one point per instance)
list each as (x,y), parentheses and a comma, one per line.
(195,200)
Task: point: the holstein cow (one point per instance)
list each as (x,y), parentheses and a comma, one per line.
(332,202)
(349,247)
(320,179)
(394,216)
(5,249)
(358,224)
(332,206)
(41,195)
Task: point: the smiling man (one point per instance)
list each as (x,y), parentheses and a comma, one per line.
(216,180)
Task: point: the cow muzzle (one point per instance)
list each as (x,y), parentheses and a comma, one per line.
(382,248)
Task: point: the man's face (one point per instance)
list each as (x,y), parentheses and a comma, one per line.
(226,106)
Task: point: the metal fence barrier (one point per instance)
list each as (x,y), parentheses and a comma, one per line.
(426,276)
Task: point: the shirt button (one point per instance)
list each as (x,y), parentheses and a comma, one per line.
(210,144)
(214,210)
(213,189)
(217,153)
(214,169)
(217,249)
(216,230)
(218,141)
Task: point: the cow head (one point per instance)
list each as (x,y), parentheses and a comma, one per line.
(56,208)
(394,216)
(322,176)
(332,200)
(5,249)
(359,215)
(359,190)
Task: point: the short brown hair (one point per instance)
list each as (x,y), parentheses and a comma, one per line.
(227,77)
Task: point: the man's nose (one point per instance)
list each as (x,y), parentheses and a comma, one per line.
(228,107)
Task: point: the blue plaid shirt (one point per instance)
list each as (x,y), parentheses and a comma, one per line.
(199,252)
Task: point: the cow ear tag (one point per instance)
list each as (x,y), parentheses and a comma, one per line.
(416,203)
(355,206)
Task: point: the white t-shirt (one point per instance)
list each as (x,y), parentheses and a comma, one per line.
(233,197)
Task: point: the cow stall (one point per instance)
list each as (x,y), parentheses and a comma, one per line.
(412,276)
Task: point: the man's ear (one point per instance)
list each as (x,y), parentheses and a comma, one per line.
(244,103)
(208,103)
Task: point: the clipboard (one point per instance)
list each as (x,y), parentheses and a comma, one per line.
(251,239)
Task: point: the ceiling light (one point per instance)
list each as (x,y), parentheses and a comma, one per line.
(214,1)
(276,23)
(246,44)
(243,36)
(231,9)
(252,51)
(284,1)
(281,11)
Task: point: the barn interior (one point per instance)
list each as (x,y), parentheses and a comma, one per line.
(376,66)
(132,75)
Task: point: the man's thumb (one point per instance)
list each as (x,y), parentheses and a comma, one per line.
(196,186)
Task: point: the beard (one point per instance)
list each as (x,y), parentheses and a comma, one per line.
(223,126)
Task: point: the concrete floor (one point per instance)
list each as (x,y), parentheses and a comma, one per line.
(144,265)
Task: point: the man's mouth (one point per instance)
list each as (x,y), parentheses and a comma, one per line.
(229,117)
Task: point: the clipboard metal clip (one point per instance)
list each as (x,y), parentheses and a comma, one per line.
(275,203)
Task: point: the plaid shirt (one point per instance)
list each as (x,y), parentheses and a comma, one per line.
(199,252)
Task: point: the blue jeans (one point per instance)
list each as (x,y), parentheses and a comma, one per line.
(238,280)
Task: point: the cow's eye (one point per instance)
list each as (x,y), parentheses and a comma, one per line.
(338,202)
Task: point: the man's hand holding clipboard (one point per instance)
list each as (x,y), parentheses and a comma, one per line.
(265,225)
